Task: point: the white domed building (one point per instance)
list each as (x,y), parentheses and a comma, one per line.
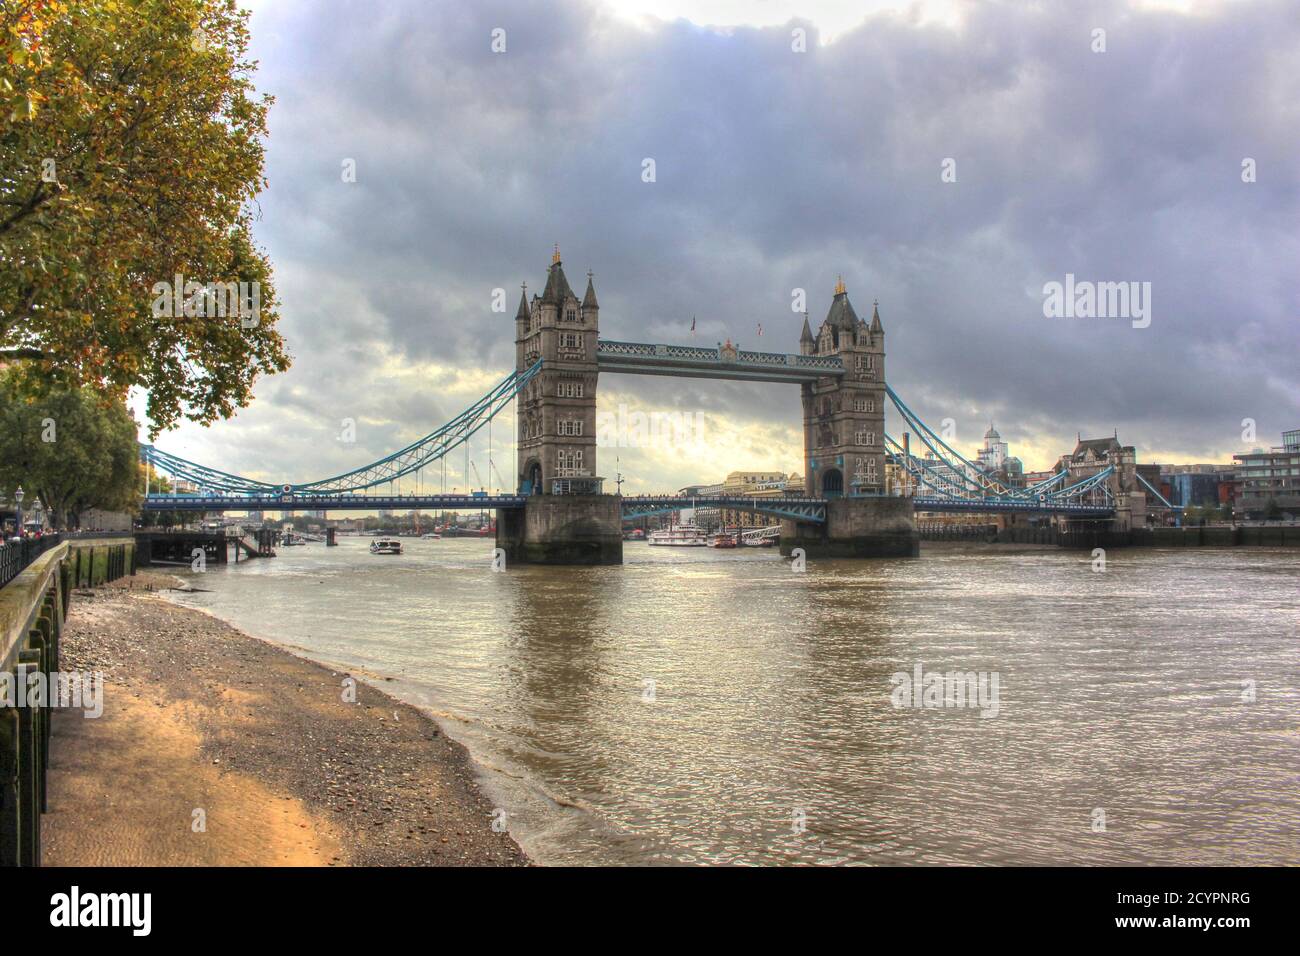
(995,459)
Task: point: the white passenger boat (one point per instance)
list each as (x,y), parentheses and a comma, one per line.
(685,536)
(385,546)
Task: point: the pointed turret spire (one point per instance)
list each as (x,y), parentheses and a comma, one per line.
(589,300)
(841,316)
(806,335)
(557,286)
(523,302)
(875,317)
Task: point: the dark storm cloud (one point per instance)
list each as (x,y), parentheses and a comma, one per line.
(778,170)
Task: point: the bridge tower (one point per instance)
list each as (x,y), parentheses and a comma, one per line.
(844,450)
(566,519)
(557,410)
(844,418)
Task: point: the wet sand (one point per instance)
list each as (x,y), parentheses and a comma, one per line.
(219,749)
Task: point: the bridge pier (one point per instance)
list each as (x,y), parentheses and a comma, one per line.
(562,529)
(869,527)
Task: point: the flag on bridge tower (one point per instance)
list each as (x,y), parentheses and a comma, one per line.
(692,325)
(760,328)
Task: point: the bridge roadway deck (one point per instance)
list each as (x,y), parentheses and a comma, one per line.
(634,506)
(684,361)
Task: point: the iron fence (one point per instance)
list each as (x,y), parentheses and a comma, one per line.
(18,553)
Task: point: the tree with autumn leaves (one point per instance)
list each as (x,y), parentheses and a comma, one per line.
(131,152)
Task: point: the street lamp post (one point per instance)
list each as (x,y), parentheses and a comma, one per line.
(18,511)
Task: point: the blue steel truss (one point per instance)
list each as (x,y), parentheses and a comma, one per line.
(413,457)
(689,361)
(1010,505)
(963,472)
(941,492)
(945,480)
(937,478)
(333,502)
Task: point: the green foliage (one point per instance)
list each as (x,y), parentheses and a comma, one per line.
(131,149)
(69,447)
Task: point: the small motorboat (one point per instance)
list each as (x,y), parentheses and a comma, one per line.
(431,536)
(386,546)
(723,541)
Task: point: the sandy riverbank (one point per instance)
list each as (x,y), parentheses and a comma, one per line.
(199,716)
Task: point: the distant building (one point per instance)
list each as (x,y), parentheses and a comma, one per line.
(1091,455)
(1094,455)
(937,478)
(747,484)
(694,491)
(1200,487)
(706,516)
(767,484)
(93,519)
(1269,480)
(994,453)
(744,482)
(996,461)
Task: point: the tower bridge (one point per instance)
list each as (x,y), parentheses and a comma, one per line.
(558,512)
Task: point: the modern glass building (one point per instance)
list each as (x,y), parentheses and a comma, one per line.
(1272,476)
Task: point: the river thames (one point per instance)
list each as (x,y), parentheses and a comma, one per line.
(696,706)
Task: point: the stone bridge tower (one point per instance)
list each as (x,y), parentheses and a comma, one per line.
(565,519)
(844,418)
(556,411)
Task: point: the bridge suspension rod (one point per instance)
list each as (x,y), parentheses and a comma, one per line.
(968,470)
(925,473)
(932,441)
(413,457)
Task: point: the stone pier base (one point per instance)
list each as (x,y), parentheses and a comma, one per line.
(563,529)
(857,528)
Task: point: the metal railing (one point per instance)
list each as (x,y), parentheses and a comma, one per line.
(33,612)
(17,553)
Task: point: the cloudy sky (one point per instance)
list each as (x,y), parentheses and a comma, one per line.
(776,170)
